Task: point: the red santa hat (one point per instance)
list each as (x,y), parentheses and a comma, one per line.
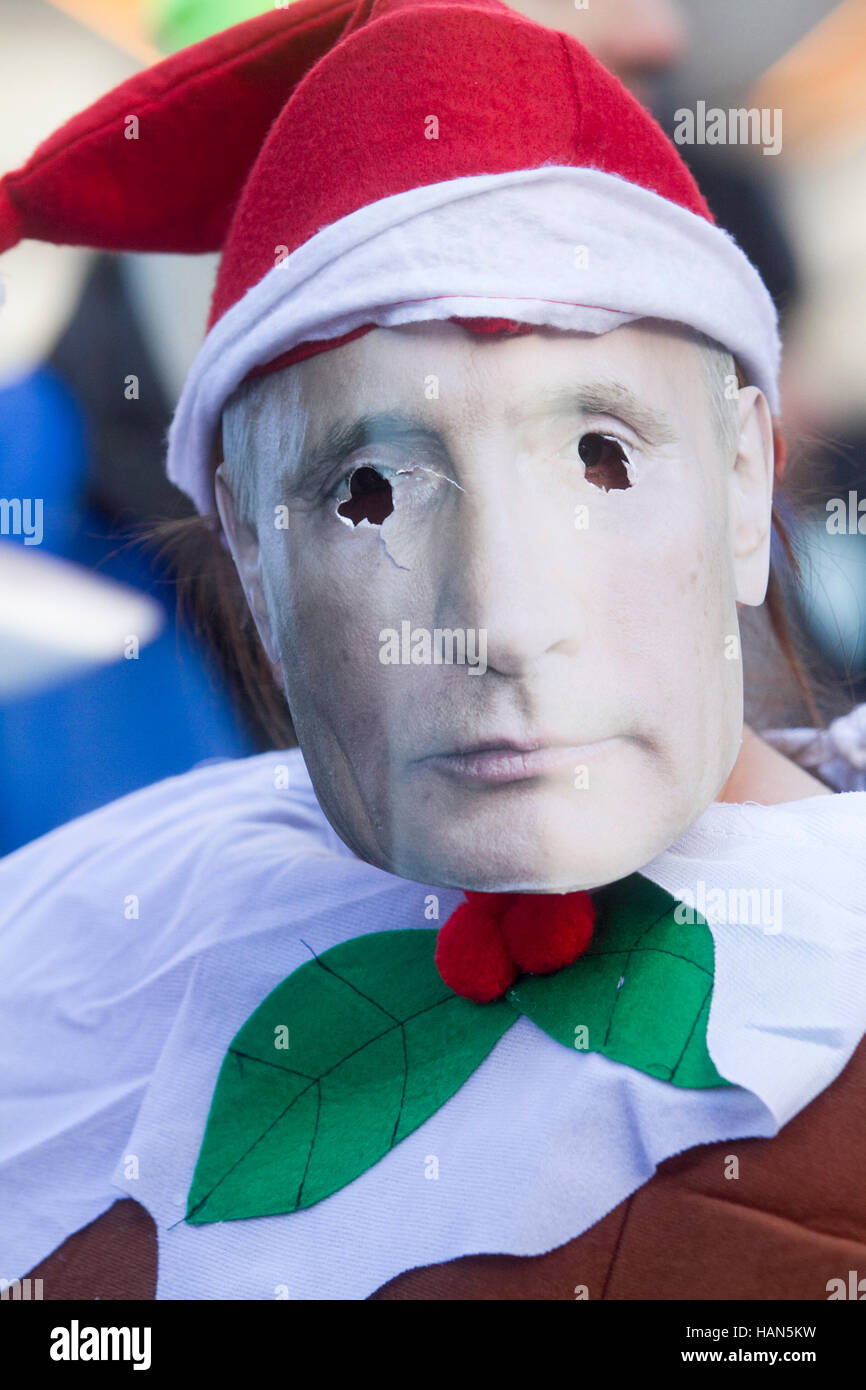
(379,162)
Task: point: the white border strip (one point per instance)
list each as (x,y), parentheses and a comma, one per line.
(498,245)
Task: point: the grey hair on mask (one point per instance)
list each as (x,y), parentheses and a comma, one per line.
(720,378)
(263,416)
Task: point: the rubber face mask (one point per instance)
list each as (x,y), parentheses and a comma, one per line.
(504,598)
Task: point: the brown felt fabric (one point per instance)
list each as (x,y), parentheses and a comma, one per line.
(113,1257)
(794,1219)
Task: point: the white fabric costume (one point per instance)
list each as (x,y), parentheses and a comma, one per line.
(135,941)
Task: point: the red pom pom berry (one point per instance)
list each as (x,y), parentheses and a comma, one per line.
(494,937)
(471,955)
(545,931)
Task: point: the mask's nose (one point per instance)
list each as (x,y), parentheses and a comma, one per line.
(510,567)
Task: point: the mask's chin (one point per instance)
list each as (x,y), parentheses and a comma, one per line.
(524,879)
(527,867)
(527,837)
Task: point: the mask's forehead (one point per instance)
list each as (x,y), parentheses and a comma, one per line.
(436,370)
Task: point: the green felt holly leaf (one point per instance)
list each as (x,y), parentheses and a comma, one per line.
(640,993)
(377,1042)
(361,1045)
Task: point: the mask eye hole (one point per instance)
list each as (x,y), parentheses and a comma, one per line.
(370,498)
(604,460)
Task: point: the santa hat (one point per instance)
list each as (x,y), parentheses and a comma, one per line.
(379,162)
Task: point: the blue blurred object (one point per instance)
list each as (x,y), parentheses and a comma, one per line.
(834,593)
(76,747)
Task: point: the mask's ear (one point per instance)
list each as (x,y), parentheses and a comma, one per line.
(243,542)
(751,496)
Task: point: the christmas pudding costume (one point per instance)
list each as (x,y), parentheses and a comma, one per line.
(365,164)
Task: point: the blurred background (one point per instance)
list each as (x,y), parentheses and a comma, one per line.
(94,349)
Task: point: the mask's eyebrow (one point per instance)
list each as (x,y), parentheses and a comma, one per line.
(608,398)
(343,438)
